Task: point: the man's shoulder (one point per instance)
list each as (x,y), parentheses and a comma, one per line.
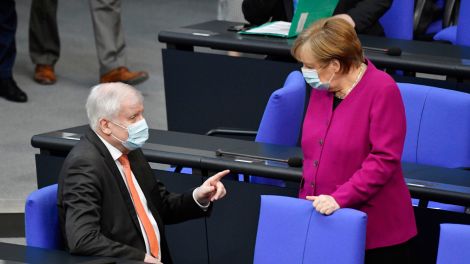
(83,152)
(83,163)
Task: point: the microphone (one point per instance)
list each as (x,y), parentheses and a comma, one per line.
(393,51)
(291,162)
(296,162)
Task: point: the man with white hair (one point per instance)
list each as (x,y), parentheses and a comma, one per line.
(110,203)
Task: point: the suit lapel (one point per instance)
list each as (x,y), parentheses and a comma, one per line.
(116,175)
(146,183)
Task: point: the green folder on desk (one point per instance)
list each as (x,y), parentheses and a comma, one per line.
(307,12)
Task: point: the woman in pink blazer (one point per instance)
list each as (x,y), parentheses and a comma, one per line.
(352,139)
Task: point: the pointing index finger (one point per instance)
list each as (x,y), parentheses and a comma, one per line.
(219,176)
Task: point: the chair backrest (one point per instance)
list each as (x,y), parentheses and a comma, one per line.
(291,231)
(282,119)
(438,126)
(283,115)
(453,244)
(398,20)
(42,219)
(414,98)
(463,24)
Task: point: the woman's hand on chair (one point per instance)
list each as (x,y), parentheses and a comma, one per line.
(324,204)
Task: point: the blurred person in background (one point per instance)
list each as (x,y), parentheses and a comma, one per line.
(363,15)
(44,42)
(8,22)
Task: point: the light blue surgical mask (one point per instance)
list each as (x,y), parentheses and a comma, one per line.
(138,134)
(312,78)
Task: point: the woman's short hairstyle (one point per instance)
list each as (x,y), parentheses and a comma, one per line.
(105,101)
(329,39)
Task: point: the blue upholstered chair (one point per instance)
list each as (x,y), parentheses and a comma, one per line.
(291,231)
(454,243)
(438,129)
(445,119)
(42,219)
(282,118)
(398,20)
(459,34)
(438,126)
(413,98)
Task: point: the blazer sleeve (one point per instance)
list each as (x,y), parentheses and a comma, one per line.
(387,137)
(258,12)
(81,203)
(176,207)
(367,13)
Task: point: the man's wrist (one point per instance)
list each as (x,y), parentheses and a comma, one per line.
(203,204)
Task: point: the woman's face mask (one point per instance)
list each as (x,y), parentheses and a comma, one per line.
(312,78)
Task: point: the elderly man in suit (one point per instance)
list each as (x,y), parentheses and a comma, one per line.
(110,203)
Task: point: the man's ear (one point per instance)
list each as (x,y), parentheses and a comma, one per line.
(104,126)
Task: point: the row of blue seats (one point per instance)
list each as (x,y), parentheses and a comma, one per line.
(289,231)
(398,22)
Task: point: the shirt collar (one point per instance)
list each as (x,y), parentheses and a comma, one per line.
(115,153)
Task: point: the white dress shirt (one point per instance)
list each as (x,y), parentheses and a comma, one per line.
(116,153)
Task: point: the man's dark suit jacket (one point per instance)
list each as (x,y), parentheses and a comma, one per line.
(365,13)
(96,213)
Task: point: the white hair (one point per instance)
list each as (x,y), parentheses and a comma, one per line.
(104,101)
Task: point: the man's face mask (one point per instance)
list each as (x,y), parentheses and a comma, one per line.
(138,134)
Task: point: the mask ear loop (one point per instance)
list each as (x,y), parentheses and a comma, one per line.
(323,67)
(122,141)
(332,77)
(121,126)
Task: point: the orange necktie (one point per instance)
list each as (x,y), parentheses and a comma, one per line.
(150,232)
